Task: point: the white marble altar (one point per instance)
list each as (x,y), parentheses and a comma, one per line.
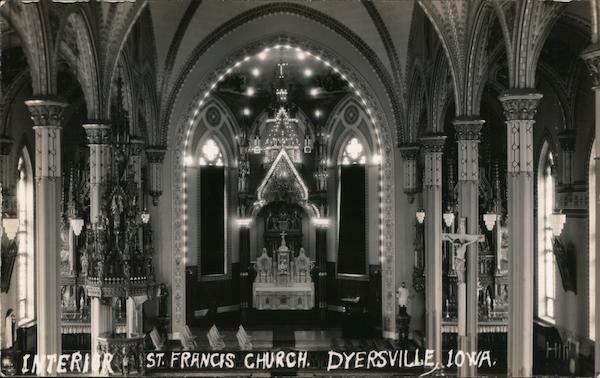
(284,283)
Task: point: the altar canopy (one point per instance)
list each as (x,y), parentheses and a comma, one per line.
(283,282)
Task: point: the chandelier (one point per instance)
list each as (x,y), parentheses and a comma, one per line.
(281,129)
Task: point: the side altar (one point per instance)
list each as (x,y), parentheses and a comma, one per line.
(283,282)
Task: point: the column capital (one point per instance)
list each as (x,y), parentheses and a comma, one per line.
(409,150)
(46,112)
(591,56)
(520,104)
(433,143)
(137,145)
(97,133)
(155,154)
(468,128)
(6,143)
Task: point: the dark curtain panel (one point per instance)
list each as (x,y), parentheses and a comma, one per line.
(212,220)
(353,239)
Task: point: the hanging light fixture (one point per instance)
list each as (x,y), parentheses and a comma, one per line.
(420,214)
(489,219)
(448,217)
(11,226)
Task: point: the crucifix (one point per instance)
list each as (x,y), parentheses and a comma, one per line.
(461,241)
(283,234)
(281,65)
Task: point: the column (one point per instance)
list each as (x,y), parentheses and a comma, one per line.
(46,115)
(321,257)
(519,110)
(244,245)
(100,159)
(592,59)
(135,317)
(99,142)
(433,146)
(467,136)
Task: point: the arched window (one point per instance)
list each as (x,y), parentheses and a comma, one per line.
(546,260)
(212,203)
(352,246)
(25,243)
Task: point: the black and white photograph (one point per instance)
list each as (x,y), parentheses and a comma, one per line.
(340,188)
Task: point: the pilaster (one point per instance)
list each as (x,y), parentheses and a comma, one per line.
(433,146)
(46,115)
(468,132)
(519,109)
(6,177)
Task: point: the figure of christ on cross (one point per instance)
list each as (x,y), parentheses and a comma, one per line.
(283,234)
(461,241)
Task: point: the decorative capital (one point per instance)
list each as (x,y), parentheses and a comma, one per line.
(46,112)
(97,133)
(520,104)
(6,143)
(155,154)
(433,142)
(566,138)
(468,128)
(409,151)
(591,56)
(137,145)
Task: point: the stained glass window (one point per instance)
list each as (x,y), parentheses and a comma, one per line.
(354,153)
(211,154)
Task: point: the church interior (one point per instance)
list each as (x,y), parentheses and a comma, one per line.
(228,175)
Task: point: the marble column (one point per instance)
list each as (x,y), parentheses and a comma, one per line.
(47,117)
(321,254)
(519,110)
(592,59)
(244,246)
(100,160)
(433,146)
(467,136)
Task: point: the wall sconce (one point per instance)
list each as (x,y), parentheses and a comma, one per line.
(11,226)
(76,225)
(321,222)
(490,220)
(420,214)
(557,222)
(145,216)
(448,217)
(244,222)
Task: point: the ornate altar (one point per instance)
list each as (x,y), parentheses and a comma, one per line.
(283,282)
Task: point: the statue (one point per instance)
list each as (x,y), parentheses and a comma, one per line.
(402,294)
